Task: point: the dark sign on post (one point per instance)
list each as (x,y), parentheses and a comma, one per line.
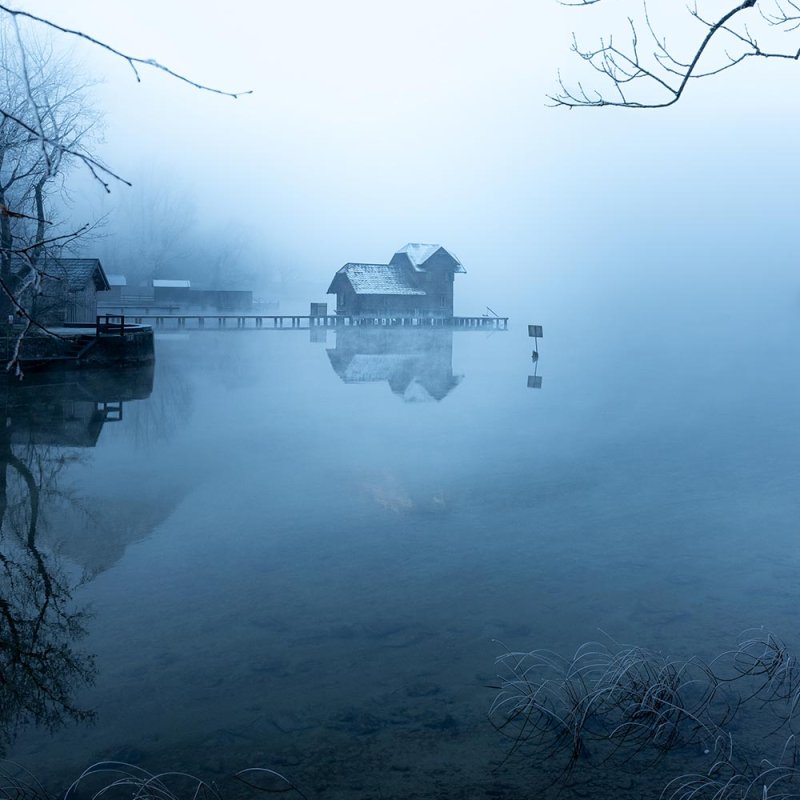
(535,331)
(534,381)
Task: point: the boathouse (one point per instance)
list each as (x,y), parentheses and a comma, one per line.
(171,291)
(68,289)
(417,282)
(118,285)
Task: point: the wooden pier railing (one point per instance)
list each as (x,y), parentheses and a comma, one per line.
(109,323)
(306,322)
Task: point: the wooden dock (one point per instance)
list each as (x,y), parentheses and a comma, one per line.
(301,322)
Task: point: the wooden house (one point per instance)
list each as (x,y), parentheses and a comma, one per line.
(171,291)
(168,290)
(118,285)
(69,289)
(417,282)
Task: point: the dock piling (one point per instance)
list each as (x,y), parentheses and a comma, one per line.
(306,322)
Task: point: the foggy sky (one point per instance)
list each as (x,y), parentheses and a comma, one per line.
(373,124)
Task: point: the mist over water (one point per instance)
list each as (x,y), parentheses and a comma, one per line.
(342,535)
(304,551)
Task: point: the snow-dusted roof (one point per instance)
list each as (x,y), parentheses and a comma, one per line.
(170,284)
(419,253)
(76,273)
(117,280)
(378,279)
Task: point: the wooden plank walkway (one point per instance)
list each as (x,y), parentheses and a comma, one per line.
(303,322)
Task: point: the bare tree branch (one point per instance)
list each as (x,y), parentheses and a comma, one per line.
(95,167)
(133,61)
(45,125)
(654,76)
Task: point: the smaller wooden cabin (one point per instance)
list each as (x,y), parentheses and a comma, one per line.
(417,282)
(168,290)
(69,289)
(118,285)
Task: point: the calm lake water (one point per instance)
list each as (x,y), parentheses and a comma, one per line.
(306,555)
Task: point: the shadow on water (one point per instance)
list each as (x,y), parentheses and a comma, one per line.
(417,365)
(49,419)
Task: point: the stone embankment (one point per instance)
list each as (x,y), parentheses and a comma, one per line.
(82,346)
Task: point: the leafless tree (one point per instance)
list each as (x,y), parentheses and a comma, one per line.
(42,88)
(157,232)
(646,68)
(37,130)
(45,126)
(152,229)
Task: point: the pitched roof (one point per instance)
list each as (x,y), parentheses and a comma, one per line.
(377,279)
(419,253)
(171,284)
(77,272)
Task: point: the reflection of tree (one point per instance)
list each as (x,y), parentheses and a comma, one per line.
(39,666)
(45,419)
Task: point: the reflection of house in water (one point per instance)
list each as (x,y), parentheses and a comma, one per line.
(69,409)
(417,364)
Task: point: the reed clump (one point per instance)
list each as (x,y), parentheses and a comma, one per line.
(734,777)
(612,701)
(112,780)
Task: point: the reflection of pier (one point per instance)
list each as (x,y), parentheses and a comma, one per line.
(69,408)
(304,322)
(417,364)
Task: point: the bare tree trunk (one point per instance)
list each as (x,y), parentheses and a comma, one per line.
(6,273)
(38,193)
